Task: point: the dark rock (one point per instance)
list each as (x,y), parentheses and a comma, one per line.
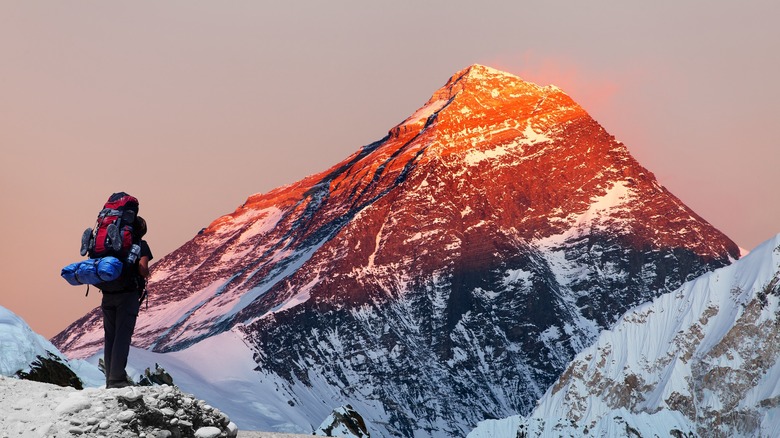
(51,369)
(344,422)
(157,377)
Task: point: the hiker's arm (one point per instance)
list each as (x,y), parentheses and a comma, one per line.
(143,266)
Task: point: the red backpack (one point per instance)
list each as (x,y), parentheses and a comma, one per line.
(113,232)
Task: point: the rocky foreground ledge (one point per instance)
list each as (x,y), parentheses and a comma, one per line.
(36,409)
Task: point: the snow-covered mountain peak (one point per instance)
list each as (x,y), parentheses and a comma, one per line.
(480,98)
(482,72)
(477,79)
(464,259)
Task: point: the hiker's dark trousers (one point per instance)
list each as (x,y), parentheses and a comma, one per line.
(120,311)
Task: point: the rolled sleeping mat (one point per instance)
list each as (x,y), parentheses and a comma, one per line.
(92,271)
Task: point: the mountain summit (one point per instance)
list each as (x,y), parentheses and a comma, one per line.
(442,275)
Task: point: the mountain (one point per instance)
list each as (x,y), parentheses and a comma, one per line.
(701,360)
(442,275)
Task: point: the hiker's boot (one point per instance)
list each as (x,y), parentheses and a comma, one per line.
(86,239)
(114,241)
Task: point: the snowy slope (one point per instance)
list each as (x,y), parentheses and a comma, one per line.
(221,370)
(21,350)
(19,345)
(702,359)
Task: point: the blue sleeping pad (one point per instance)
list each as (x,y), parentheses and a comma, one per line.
(92,271)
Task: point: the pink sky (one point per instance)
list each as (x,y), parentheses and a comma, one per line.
(194,106)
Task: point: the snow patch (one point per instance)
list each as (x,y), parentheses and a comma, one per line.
(426,111)
(529,137)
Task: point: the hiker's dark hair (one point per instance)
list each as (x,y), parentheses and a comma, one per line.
(139,226)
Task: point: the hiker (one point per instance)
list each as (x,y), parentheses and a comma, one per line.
(120,310)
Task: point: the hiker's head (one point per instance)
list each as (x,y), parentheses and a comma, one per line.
(139,226)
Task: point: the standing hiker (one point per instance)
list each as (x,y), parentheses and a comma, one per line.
(120,310)
(118,265)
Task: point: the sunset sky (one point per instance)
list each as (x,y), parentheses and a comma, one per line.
(192,106)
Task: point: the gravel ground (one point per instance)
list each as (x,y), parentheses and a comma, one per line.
(258,434)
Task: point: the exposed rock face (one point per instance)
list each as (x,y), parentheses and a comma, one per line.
(51,369)
(449,271)
(344,422)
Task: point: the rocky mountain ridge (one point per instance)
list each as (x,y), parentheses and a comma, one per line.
(699,361)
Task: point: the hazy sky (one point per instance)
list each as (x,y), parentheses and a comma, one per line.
(192,106)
